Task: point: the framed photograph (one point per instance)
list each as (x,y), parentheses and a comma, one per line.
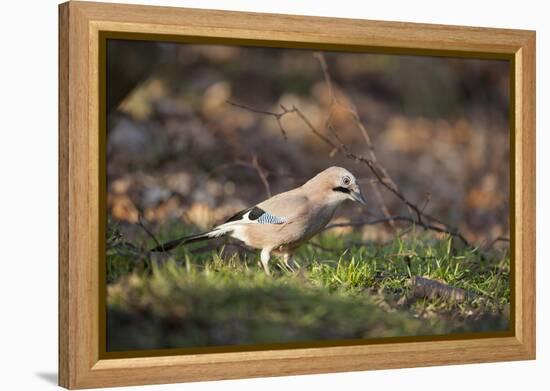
(247,195)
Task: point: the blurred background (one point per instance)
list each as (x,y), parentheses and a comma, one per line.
(177,151)
(188,146)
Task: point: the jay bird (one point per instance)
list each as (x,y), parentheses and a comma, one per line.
(283,222)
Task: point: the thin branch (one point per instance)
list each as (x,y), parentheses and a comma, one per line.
(383,206)
(381,179)
(254,110)
(354,114)
(277,116)
(495,240)
(426,202)
(327,141)
(147,231)
(255,165)
(262,175)
(417,213)
(324,67)
(427,226)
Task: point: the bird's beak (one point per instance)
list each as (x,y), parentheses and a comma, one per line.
(356,195)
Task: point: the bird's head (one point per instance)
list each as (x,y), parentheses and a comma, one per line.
(338,184)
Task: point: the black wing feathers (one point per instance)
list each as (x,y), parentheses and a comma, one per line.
(255,214)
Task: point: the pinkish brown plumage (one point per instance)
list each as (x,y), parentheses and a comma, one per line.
(287,220)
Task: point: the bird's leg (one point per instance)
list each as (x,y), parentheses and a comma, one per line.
(294,263)
(264,257)
(289,262)
(286,256)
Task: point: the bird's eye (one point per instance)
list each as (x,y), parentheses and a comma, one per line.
(346,180)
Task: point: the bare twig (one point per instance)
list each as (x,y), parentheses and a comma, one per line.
(495,240)
(327,141)
(355,115)
(417,213)
(262,175)
(428,226)
(342,148)
(426,202)
(255,165)
(349,108)
(383,206)
(147,231)
(277,116)
(324,67)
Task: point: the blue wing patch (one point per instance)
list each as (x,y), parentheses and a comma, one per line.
(258,215)
(268,218)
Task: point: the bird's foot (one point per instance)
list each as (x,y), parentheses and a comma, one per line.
(289,265)
(265,268)
(295,265)
(285,267)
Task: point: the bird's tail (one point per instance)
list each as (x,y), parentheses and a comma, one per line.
(215,233)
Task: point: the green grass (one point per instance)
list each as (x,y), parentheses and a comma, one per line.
(344,289)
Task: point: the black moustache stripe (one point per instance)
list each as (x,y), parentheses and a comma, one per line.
(341,189)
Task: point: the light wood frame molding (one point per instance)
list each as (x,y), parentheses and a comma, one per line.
(80,24)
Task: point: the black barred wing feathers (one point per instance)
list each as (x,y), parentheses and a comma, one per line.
(255,214)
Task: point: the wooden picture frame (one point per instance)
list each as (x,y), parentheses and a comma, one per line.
(81,25)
